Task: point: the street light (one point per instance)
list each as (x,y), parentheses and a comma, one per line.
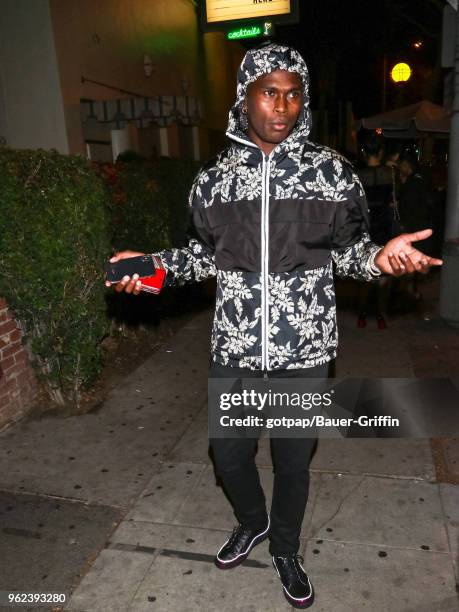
(400,73)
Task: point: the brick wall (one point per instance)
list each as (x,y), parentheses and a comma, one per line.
(18,387)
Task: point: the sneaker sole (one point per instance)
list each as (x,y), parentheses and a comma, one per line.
(230,564)
(300,604)
(297,604)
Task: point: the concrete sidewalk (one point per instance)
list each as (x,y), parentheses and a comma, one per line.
(379,532)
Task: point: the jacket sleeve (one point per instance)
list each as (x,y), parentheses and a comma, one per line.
(353,251)
(196,260)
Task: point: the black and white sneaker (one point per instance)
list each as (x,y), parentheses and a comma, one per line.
(298,589)
(238,546)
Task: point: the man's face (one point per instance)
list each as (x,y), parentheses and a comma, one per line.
(274,102)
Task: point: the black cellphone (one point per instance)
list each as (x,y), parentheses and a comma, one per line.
(143,266)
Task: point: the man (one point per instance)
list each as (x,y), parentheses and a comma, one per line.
(415,212)
(271,216)
(377,183)
(413,195)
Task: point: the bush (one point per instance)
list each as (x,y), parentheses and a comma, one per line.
(54,240)
(175,178)
(149,207)
(149,213)
(59,222)
(149,202)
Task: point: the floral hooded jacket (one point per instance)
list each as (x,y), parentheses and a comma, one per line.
(272,228)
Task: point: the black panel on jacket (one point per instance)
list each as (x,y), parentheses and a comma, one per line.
(299,234)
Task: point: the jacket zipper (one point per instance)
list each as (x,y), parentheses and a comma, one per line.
(264,251)
(265,262)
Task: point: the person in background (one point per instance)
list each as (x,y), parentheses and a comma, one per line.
(392,152)
(377,181)
(414,209)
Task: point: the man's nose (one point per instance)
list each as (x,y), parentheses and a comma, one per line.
(281,104)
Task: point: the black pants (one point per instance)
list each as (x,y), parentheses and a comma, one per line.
(234,460)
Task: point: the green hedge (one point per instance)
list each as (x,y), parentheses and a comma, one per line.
(60,218)
(54,239)
(175,178)
(149,213)
(148,202)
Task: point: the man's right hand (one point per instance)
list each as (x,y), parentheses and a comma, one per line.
(127,284)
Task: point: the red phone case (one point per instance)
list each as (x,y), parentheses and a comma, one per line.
(153,284)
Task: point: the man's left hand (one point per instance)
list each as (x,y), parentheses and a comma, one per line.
(400,257)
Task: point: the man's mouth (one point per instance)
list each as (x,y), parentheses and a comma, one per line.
(279,125)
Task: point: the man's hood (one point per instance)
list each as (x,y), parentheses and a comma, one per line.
(255,64)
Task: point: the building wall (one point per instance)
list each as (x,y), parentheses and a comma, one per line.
(18,388)
(31,107)
(105,40)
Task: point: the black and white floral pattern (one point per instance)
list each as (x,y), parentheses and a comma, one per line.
(321,190)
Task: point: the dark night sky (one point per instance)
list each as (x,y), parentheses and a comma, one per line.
(343,43)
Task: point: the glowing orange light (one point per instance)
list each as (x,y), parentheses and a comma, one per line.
(378,131)
(417,44)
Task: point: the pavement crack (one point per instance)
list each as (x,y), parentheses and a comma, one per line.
(23,533)
(340,505)
(64,498)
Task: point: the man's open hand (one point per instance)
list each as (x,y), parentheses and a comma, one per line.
(400,257)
